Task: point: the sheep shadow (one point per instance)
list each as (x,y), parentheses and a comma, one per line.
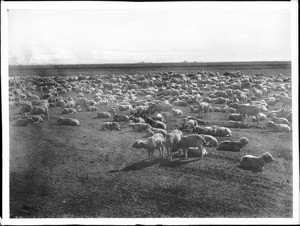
(177,162)
(137,166)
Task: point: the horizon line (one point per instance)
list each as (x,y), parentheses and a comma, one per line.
(145,62)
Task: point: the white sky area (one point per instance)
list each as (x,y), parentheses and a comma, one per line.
(86,36)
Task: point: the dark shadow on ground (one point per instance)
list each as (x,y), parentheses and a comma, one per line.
(138,165)
(177,162)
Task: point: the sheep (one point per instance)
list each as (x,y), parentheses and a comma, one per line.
(119,118)
(235,124)
(153,143)
(194,151)
(222,131)
(69,111)
(210,141)
(261,117)
(289,117)
(36,110)
(171,139)
(245,109)
(280,121)
(189,123)
(234,146)
(199,121)
(253,163)
(281,113)
(124,107)
(26,106)
(165,107)
(136,119)
(35,118)
(286,101)
(192,140)
(203,107)
(278,127)
(154,123)
(68,121)
(204,130)
(177,112)
(235,117)
(103,114)
(23,122)
(154,130)
(139,127)
(110,126)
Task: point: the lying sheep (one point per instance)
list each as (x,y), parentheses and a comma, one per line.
(208,130)
(289,117)
(235,124)
(154,130)
(222,131)
(278,127)
(69,111)
(199,121)
(103,114)
(35,118)
(110,126)
(192,140)
(154,123)
(68,121)
(234,146)
(210,141)
(280,121)
(255,164)
(195,152)
(23,122)
(235,117)
(261,117)
(189,123)
(153,143)
(176,112)
(119,118)
(171,139)
(136,119)
(139,127)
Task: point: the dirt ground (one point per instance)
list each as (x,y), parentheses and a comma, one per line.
(69,172)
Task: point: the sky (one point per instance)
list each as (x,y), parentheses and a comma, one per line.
(166,34)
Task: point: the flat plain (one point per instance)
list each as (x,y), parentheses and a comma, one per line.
(69,172)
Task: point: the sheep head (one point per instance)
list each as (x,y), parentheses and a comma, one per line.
(267,157)
(243,141)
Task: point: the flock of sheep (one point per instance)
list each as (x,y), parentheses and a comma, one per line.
(146,102)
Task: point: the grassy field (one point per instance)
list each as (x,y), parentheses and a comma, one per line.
(69,172)
(268,68)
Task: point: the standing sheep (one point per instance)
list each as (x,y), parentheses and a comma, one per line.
(171,139)
(192,140)
(153,143)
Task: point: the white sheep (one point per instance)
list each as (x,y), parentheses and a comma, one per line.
(255,164)
(110,126)
(280,121)
(278,127)
(171,139)
(139,127)
(192,140)
(153,143)
(68,121)
(154,130)
(103,114)
(234,146)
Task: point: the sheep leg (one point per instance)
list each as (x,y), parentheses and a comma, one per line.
(185,153)
(149,155)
